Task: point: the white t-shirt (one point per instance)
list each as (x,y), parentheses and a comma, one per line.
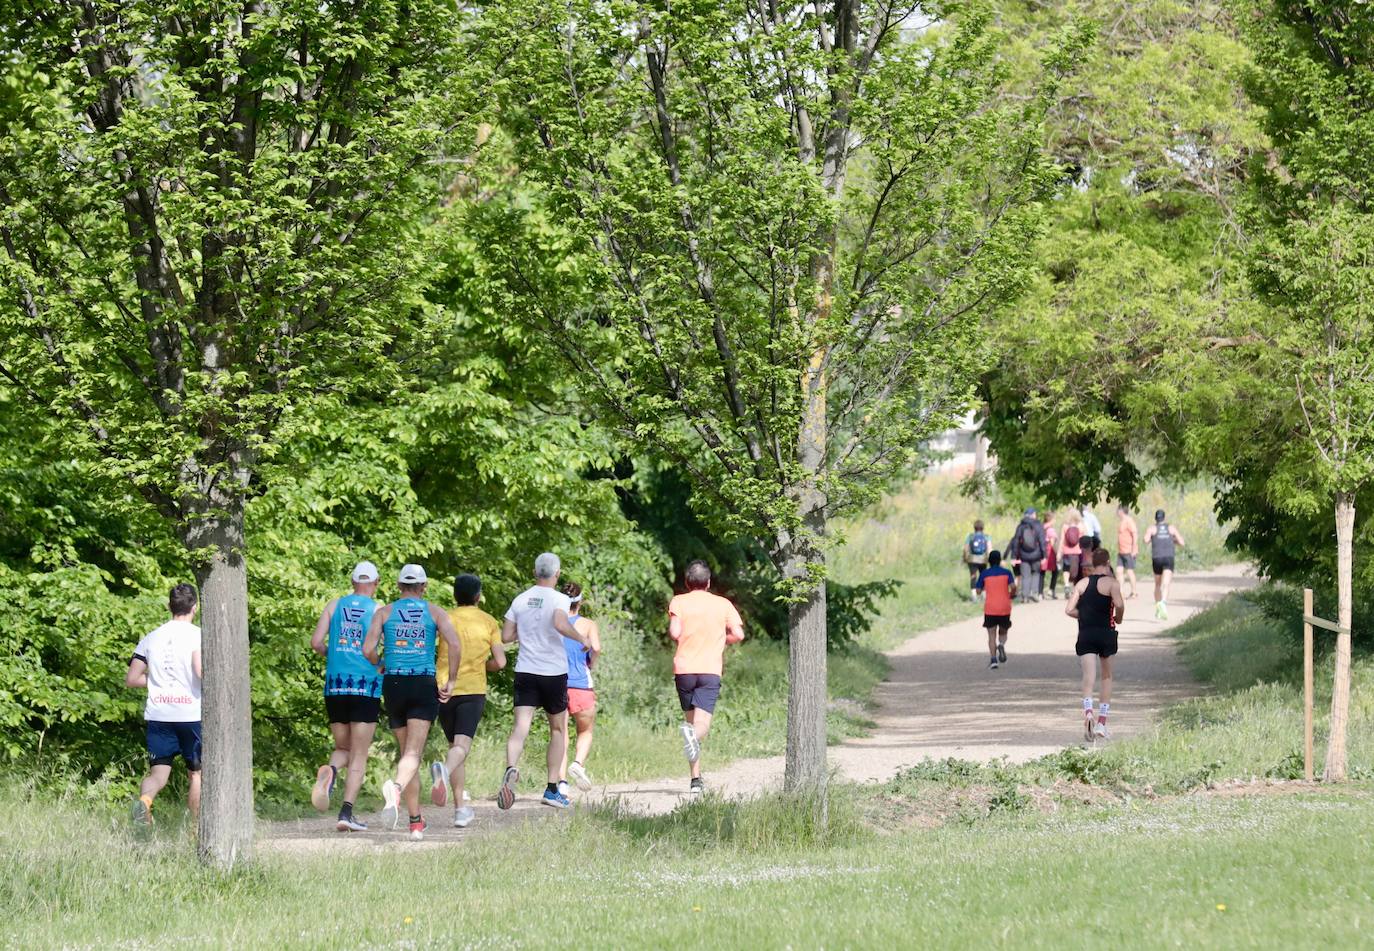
(1090,523)
(541,647)
(173,687)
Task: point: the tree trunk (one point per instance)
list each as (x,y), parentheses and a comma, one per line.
(226,815)
(1340,689)
(805,771)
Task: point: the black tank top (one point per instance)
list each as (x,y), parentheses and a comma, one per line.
(1095,610)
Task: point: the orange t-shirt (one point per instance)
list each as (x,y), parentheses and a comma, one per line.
(705,619)
(1126,537)
(996,585)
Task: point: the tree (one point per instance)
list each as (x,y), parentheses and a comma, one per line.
(774,226)
(214,212)
(1312,262)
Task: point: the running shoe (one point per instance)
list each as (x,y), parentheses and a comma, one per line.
(563,788)
(391,804)
(697,788)
(324,788)
(992,663)
(973,595)
(1159,611)
(1001,653)
(463,816)
(1100,730)
(438,788)
(505,796)
(553,797)
(1088,726)
(579,774)
(141,813)
(417,830)
(350,824)
(1163,611)
(691,746)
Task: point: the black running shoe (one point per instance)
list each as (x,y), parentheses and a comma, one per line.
(1001,653)
(992,663)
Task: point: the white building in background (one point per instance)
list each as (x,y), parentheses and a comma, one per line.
(962,450)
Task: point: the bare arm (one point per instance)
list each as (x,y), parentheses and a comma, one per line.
(374,634)
(1071,609)
(497,660)
(563,626)
(137,675)
(508,632)
(674,627)
(593,641)
(197,666)
(455,647)
(1118,601)
(321,635)
(734,632)
(1178,536)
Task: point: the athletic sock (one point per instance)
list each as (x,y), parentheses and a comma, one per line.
(1088,704)
(415,819)
(1102,711)
(551,787)
(346,811)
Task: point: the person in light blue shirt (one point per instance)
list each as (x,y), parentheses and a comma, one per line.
(582,658)
(352,692)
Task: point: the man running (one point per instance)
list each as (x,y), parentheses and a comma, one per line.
(1099,607)
(976,547)
(1127,547)
(999,587)
(538,619)
(1163,539)
(1028,546)
(167,662)
(479,636)
(702,624)
(582,658)
(352,692)
(403,634)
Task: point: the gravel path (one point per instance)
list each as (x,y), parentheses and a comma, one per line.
(939,700)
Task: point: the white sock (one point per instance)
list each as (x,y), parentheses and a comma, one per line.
(1102,710)
(1088,704)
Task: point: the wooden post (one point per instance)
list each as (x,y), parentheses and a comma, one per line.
(1307,685)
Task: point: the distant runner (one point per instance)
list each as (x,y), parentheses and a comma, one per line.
(402,635)
(538,619)
(1163,539)
(1027,546)
(1127,547)
(1071,548)
(479,635)
(1051,564)
(167,662)
(999,587)
(582,658)
(702,624)
(352,692)
(976,556)
(1097,604)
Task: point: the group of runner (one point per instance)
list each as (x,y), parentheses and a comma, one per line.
(1097,599)
(423,664)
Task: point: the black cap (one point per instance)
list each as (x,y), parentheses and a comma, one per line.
(1159,515)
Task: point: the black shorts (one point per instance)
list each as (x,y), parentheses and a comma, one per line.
(1099,642)
(1126,561)
(459,716)
(410,697)
(351,708)
(167,741)
(974,568)
(698,691)
(1162,565)
(997,620)
(549,691)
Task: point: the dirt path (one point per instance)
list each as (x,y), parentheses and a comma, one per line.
(939,700)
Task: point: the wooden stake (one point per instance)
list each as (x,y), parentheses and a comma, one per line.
(1307,685)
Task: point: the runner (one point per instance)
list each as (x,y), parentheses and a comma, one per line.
(1097,604)
(581,696)
(537,617)
(702,624)
(1051,563)
(402,633)
(167,663)
(352,692)
(975,556)
(999,587)
(1127,547)
(1072,547)
(1093,527)
(1162,538)
(1028,545)
(479,636)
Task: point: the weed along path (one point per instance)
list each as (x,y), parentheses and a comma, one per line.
(941,700)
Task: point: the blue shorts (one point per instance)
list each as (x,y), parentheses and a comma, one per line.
(167,741)
(698,691)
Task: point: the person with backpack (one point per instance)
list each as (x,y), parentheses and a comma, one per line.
(1163,540)
(1050,565)
(1071,547)
(1028,543)
(975,556)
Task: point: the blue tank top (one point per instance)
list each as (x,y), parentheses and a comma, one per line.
(579,677)
(346,671)
(408,639)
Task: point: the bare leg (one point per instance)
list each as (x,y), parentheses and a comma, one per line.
(359,743)
(1159,585)
(1106,695)
(339,756)
(1002,635)
(156,779)
(457,767)
(557,756)
(1130,575)
(524,717)
(701,725)
(585,722)
(992,642)
(1164,580)
(411,739)
(193,795)
(1088,663)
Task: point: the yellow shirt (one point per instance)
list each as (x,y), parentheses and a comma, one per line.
(477,631)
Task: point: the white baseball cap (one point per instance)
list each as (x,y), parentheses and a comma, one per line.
(365,572)
(413,574)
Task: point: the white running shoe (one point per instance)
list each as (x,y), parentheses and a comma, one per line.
(438,788)
(691,746)
(579,774)
(391,804)
(563,788)
(1101,732)
(463,816)
(1089,722)
(505,796)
